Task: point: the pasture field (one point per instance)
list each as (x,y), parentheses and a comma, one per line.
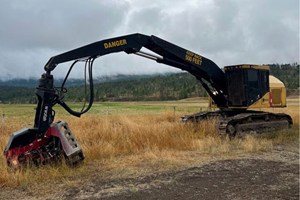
(130,139)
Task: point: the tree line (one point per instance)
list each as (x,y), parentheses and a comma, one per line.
(160,88)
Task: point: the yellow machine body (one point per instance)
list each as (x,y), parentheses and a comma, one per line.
(276,97)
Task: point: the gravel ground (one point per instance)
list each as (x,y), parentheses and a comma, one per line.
(269,175)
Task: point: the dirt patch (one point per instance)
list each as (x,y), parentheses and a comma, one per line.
(268,175)
(228,179)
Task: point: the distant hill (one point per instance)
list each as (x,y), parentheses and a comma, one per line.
(162,87)
(32,83)
(135,88)
(14,94)
(287,73)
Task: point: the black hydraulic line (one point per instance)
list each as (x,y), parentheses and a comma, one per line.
(91,99)
(68,73)
(85,84)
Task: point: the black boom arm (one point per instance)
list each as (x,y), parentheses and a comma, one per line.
(207,72)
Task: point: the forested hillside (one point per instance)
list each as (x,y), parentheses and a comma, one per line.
(12,94)
(160,87)
(288,73)
(163,87)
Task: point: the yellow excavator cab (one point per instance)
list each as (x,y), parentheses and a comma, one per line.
(276,97)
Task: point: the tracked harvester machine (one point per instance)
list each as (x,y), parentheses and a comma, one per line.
(248,87)
(233,91)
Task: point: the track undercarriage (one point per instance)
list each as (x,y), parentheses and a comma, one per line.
(240,122)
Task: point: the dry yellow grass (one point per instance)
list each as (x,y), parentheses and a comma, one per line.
(110,136)
(150,141)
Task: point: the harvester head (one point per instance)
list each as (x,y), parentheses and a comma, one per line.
(25,148)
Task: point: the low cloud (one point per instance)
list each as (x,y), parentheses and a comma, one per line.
(227,32)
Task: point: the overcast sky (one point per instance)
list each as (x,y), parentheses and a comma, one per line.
(225,31)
